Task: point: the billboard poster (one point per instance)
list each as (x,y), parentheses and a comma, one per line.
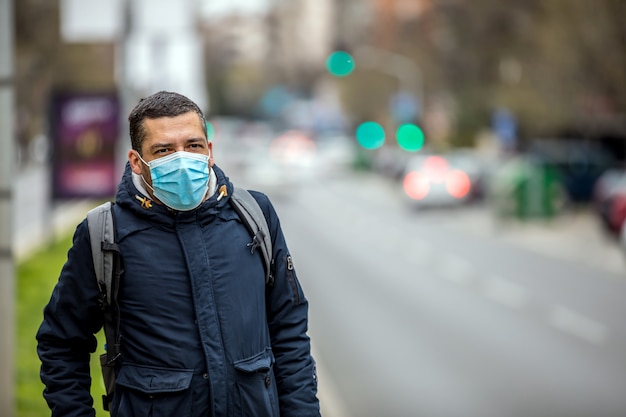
(84,130)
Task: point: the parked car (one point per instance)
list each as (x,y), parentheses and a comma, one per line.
(440,180)
(579,163)
(609,198)
(622,240)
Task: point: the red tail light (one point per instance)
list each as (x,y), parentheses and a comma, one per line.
(416,185)
(458,183)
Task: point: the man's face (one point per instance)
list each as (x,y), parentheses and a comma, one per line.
(167,135)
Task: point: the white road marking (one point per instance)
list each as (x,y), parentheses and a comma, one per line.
(504,292)
(576,324)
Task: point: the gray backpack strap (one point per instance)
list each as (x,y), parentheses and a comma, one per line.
(107,264)
(100,223)
(252,215)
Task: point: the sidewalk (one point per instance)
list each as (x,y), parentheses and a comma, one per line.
(36,219)
(63,219)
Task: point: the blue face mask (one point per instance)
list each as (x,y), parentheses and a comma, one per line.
(180,180)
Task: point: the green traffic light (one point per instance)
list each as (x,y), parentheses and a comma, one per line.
(370,135)
(340,63)
(410,137)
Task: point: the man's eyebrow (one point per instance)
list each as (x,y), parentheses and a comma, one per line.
(194,140)
(161,145)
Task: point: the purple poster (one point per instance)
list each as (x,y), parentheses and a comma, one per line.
(84,131)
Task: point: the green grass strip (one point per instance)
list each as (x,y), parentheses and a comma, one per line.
(36,277)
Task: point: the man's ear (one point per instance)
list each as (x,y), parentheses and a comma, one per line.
(211,162)
(135,162)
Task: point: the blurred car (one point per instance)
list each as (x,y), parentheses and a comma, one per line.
(622,240)
(605,185)
(335,153)
(391,161)
(609,198)
(278,166)
(579,164)
(443,180)
(295,152)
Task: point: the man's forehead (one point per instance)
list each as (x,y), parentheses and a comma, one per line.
(183,122)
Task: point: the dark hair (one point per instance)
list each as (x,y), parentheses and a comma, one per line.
(161,104)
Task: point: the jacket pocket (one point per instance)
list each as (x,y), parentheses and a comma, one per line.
(151,391)
(256,386)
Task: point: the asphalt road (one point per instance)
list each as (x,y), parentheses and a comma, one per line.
(448,313)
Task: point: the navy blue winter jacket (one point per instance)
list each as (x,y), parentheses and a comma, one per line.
(202,334)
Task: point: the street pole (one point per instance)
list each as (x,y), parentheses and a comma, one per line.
(126,95)
(7,174)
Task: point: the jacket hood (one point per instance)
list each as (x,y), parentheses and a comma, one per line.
(129,198)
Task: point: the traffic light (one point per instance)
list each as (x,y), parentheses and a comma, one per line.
(340,63)
(410,137)
(370,135)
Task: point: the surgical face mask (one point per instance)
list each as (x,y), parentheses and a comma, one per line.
(180,180)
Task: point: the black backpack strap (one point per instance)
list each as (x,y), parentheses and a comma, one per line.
(252,215)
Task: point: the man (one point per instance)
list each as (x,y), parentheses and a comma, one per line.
(202,334)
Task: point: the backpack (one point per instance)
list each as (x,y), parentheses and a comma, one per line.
(108,266)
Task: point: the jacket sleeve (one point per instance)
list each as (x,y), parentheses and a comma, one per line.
(66,335)
(287,313)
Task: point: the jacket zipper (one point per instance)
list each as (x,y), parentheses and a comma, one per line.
(292,280)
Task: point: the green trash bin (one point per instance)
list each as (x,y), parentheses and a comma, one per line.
(527,188)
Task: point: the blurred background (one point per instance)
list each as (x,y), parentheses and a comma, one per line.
(450,176)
